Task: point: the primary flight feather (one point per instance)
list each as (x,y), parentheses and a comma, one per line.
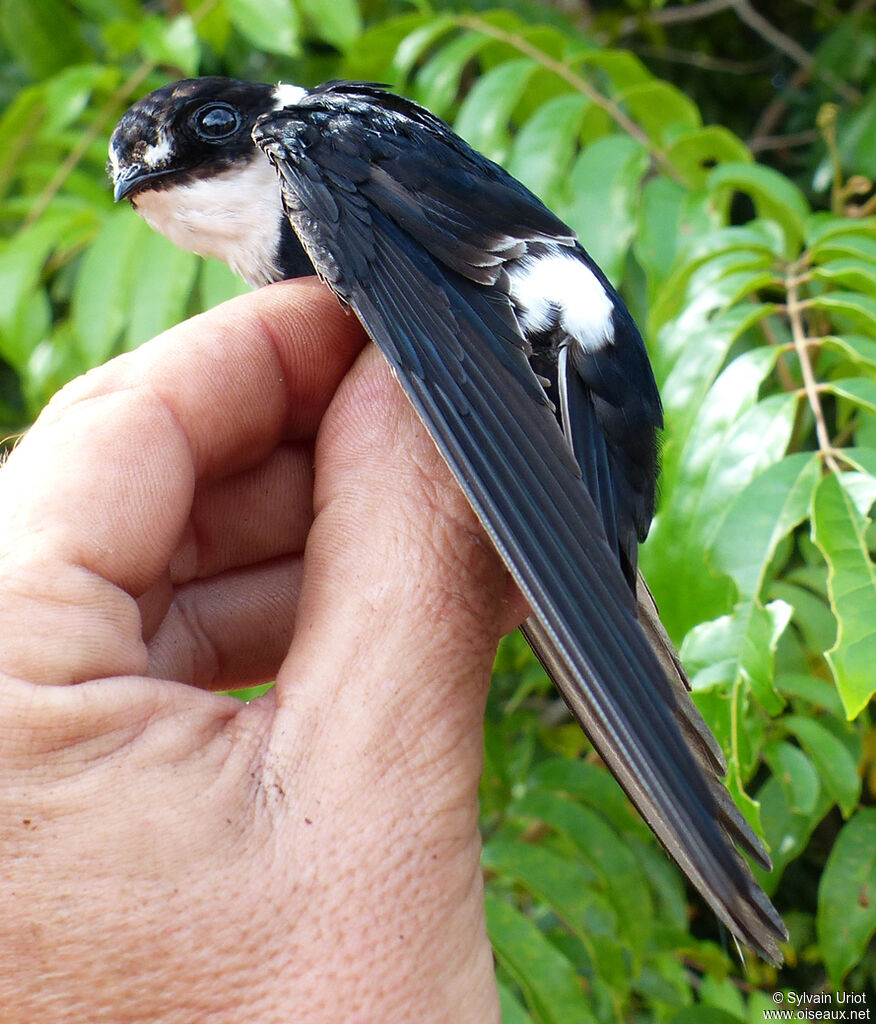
(523,363)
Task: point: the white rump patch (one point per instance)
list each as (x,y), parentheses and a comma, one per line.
(235,216)
(558,289)
(288,95)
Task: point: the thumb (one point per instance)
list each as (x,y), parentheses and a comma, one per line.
(404,598)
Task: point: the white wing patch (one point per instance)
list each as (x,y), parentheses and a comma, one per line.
(288,95)
(235,216)
(559,290)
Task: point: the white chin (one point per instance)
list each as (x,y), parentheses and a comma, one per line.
(235,215)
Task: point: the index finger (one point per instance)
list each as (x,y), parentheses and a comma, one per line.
(239,376)
(104,480)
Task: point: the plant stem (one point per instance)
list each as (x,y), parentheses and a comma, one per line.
(795,309)
(579,83)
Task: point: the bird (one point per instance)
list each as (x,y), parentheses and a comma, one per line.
(524,365)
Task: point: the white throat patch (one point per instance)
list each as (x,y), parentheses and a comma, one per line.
(235,216)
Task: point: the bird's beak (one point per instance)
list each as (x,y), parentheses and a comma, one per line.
(126,180)
(132,179)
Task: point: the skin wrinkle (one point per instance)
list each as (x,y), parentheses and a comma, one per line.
(223,598)
(123,621)
(52,759)
(202,547)
(206,651)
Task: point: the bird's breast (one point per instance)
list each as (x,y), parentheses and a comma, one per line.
(235,216)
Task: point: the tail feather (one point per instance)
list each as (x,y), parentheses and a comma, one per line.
(734,895)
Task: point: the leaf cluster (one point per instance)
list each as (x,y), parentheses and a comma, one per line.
(756,296)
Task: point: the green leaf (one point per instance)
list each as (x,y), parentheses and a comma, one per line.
(548,980)
(19,124)
(670,214)
(846,919)
(43,34)
(22,260)
(857,347)
(544,146)
(272,25)
(824,226)
(857,308)
(861,390)
(512,1011)
(659,109)
(337,22)
(764,512)
(812,615)
(605,185)
(485,114)
(785,830)
(172,42)
(733,437)
(775,197)
(690,353)
(817,692)
(698,289)
(102,292)
(108,9)
(591,785)
(704,1015)
(438,81)
(841,244)
(164,281)
(834,264)
(694,153)
(851,273)
(564,885)
(735,647)
(864,459)
(835,765)
(839,529)
(605,852)
(796,774)
(68,93)
(423,34)
(623,68)
(732,440)
(757,236)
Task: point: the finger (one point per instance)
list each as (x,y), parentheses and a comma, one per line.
(230,631)
(253,516)
(404,597)
(97,494)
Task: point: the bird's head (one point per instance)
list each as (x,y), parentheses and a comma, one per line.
(198,127)
(185,158)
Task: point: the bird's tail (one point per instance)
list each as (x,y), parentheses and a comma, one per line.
(734,895)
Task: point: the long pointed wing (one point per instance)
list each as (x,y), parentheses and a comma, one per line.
(425,277)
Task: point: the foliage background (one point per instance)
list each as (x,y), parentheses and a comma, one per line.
(720,168)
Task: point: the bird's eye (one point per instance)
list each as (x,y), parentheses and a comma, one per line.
(216,122)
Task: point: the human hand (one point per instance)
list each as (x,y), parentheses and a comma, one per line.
(247,497)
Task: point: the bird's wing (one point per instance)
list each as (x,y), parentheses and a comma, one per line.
(414,242)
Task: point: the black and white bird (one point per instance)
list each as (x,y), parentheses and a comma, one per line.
(521,360)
